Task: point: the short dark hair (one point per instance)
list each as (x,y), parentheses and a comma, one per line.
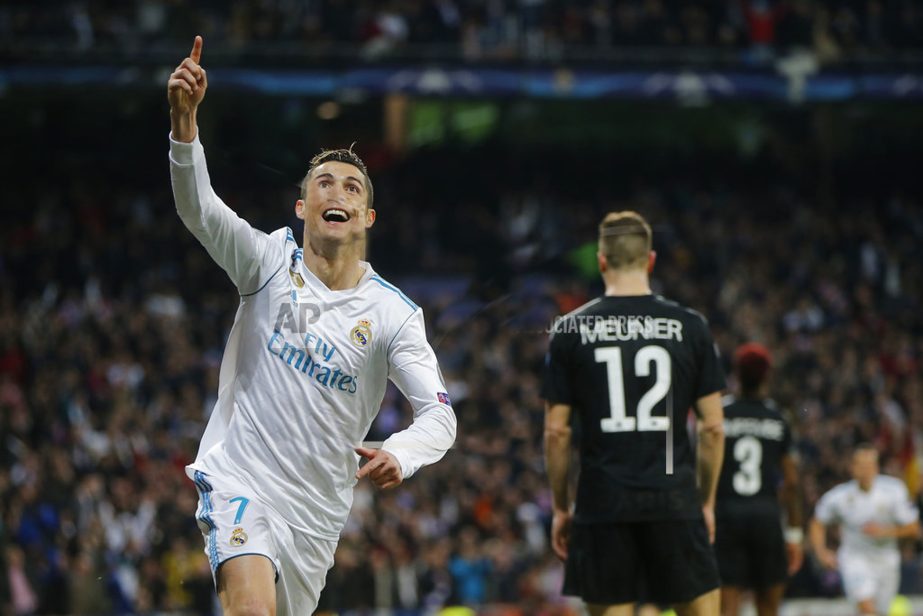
(342,155)
(866,447)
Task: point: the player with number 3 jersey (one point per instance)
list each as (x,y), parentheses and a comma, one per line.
(752,550)
(627,368)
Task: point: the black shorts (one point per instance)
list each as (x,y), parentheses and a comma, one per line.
(664,561)
(751,551)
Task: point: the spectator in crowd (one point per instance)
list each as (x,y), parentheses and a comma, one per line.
(475,30)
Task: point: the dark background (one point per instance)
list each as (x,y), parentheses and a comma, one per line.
(793,219)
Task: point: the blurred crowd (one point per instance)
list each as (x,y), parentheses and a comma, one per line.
(113,320)
(473,29)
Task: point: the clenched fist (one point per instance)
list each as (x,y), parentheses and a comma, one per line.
(185,90)
(382,468)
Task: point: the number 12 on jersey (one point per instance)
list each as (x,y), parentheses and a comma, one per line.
(618,420)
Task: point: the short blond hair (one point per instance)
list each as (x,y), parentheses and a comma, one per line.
(625,240)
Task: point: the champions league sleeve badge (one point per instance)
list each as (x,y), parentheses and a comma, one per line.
(361,334)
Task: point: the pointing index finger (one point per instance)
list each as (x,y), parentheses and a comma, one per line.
(196,54)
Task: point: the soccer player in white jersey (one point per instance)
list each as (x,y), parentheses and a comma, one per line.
(873,511)
(316,337)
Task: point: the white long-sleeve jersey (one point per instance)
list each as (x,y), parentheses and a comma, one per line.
(887,503)
(305,368)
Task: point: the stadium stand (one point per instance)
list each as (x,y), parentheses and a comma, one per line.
(112,322)
(473,30)
(113,319)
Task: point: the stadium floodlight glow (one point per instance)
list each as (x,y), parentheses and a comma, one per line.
(328,110)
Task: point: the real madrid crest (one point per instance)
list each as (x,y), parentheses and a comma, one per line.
(361,334)
(238,537)
(296,279)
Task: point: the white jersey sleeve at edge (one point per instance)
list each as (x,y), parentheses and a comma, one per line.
(413,368)
(234,245)
(905,512)
(826,509)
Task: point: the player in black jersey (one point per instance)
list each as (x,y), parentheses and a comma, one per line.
(759,467)
(628,366)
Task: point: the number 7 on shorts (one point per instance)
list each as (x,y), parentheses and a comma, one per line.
(240,509)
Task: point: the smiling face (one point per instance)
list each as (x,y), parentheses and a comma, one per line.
(335,201)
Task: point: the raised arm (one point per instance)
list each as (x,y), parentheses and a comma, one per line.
(185,90)
(237,247)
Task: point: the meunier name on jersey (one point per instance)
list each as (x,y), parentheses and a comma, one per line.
(621,328)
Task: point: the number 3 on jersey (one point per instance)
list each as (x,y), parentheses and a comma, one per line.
(618,420)
(748,452)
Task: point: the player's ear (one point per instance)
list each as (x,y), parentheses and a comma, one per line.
(601,262)
(651,259)
(299,209)
(369,218)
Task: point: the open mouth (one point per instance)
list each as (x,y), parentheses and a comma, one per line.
(335,215)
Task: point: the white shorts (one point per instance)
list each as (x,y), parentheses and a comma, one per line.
(865,578)
(235,523)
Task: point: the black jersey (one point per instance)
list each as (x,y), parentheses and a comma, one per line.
(631,368)
(756,437)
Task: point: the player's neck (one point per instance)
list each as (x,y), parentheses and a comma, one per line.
(622,283)
(760,393)
(866,486)
(337,266)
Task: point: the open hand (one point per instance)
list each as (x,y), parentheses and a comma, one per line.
(187,84)
(382,468)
